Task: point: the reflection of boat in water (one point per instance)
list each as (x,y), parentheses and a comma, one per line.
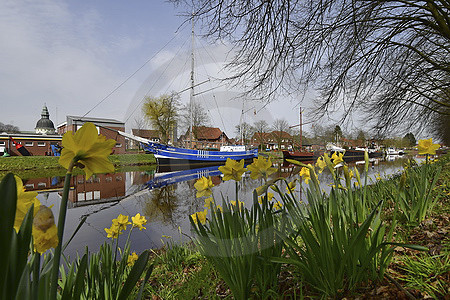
(165,179)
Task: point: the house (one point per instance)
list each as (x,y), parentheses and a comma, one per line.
(209,138)
(149,134)
(272,140)
(106,127)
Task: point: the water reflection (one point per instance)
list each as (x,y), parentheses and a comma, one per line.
(165,198)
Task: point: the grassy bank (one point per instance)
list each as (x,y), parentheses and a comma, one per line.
(43,166)
(182,272)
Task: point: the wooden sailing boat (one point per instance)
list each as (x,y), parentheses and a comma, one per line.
(300,155)
(166,154)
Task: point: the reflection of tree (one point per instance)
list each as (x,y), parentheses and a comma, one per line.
(161,204)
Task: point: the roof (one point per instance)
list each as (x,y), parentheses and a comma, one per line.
(146,133)
(265,136)
(208,133)
(111,122)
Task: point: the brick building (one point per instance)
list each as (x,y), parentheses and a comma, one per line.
(205,138)
(106,127)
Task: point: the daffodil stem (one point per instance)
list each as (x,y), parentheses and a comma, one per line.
(61,222)
(37,265)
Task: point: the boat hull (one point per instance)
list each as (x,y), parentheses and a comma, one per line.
(300,155)
(173,155)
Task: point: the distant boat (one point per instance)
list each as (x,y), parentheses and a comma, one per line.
(301,155)
(392,151)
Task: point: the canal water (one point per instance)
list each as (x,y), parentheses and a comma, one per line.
(166,199)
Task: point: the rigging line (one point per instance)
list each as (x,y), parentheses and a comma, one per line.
(218,110)
(130,76)
(154,83)
(214,96)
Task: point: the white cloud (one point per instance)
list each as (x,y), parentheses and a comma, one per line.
(50,54)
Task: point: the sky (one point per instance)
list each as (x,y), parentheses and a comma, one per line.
(102,58)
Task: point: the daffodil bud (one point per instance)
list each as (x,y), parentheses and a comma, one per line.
(403,181)
(366,160)
(346,175)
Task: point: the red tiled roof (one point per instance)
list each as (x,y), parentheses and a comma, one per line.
(146,133)
(207,133)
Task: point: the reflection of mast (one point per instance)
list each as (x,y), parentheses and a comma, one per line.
(301,145)
(191,98)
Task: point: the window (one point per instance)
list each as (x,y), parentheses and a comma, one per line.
(40,144)
(118,145)
(42,184)
(29,186)
(2,143)
(29,143)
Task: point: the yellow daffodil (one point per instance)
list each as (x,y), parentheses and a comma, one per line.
(45,233)
(113,231)
(241,204)
(291,186)
(269,197)
(24,202)
(88,149)
(321,164)
(304,173)
(357,184)
(132,259)
(208,202)
(337,158)
(199,216)
(219,208)
(232,170)
(139,221)
(261,167)
(427,147)
(203,186)
(278,205)
(121,221)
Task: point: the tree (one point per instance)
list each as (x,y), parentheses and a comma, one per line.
(280,131)
(162,113)
(388,58)
(361,136)
(337,134)
(244,132)
(260,128)
(199,117)
(409,139)
(8,128)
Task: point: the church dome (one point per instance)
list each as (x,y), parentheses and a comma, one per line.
(45,125)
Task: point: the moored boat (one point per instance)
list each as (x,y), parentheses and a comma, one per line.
(173,155)
(301,155)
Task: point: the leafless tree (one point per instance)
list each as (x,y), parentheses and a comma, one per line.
(8,128)
(281,132)
(388,58)
(244,132)
(199,117)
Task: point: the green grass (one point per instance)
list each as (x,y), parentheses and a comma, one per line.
(46,166)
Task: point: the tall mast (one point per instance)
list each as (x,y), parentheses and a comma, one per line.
(191,99)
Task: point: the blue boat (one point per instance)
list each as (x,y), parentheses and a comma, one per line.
(166,154)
